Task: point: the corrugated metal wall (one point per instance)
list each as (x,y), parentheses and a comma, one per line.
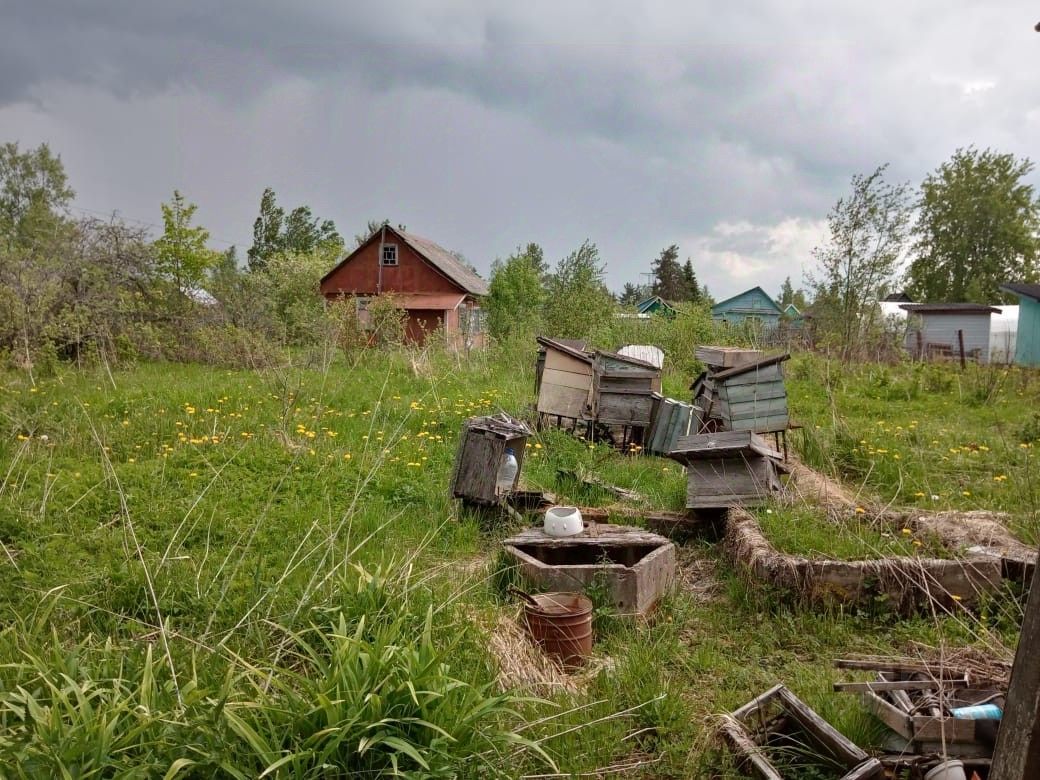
(941,330)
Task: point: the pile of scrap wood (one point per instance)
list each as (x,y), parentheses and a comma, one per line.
(731,468)
(934,710)
(778,737)
(740,391)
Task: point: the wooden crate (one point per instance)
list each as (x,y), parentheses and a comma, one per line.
(623,390)
(777,713)
(482,446)
(565,380)
(749,397)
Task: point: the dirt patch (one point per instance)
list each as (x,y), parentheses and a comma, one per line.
(697,574)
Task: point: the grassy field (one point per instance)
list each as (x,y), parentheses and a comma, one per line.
(216,573)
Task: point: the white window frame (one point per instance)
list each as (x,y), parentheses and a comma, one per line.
(383,258)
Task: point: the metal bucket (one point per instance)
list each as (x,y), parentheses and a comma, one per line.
(561,624)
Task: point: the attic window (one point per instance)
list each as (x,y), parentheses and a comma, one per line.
(389,254)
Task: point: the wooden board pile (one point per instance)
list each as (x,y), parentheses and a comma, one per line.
(740,391)
(730,468)
(918,701)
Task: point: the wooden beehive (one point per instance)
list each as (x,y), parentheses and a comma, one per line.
(564,384)
(671,420)
(731,468)
(748,397)
(721,358)
(482,446)
(623,390)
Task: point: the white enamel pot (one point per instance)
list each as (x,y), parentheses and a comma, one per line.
(563,521)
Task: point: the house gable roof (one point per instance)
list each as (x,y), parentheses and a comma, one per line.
(949,308)
(721,304)
(647,305)
(1024,290)
(437,256)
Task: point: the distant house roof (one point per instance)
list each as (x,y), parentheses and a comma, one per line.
(792,311)
(200,296)
(1025,290)
(950,308)
(767,296)
(654,304)
(436,255)
(897,297)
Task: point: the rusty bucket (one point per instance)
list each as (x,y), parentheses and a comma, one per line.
(561,624)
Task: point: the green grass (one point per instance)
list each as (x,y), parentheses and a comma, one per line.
(181,543)
(807,531)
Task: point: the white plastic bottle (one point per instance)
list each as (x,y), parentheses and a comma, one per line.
(507,473)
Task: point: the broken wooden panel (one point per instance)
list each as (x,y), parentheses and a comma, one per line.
(482,446)
(760,731)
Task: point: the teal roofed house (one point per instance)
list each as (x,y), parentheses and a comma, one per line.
(1027,342)
(655,304)
(754,305)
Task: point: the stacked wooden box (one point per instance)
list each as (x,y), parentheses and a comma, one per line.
(730,468)
(748,394)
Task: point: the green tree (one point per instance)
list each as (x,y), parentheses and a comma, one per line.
(978,226)
(868,230)
(370,227)
(298,232)
(516,294)
(789,295)
(34,190)
(632,294)
(692,286)
(181,252)
(578,300)
(669,281)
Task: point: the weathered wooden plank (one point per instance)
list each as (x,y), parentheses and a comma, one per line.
(901,685)
(752,407)
(741,741)
(555,376)
(726,357)
(824,733)
(725,444)
(753,376)
(562,401)
(564,362)
(624,408)
(762,424)
(891,716)
(762,390)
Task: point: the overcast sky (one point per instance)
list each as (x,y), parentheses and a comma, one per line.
(728,129)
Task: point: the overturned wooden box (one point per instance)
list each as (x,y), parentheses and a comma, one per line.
(635,566)
(729,468)
(671,419)
(769,729)
(482,447)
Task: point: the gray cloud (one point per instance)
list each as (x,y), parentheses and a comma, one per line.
(487,126)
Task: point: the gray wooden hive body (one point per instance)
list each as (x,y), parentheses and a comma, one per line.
(724,469)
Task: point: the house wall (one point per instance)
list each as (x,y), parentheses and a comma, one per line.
(940,329)
(412,274)
(1027,348)
(752,303)
(421,323)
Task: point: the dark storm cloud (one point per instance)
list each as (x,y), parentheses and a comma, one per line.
(677,120)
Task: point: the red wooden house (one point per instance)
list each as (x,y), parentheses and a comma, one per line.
(435,289)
